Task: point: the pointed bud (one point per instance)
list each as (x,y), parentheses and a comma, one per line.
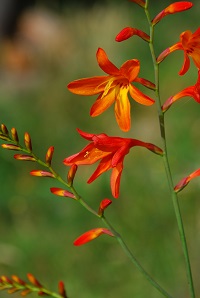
(183,183)
(139,2)
(33,280)
(71,174)
(171,9)
(129,32)
(10,147)
(25,292)
(62,192)
(4,130)
(91,235)
(49,155)
(24,157)
(61,289)
(14,135)
(27,141)
(6,279)
(18,280)
(40,173)
(103,205)
(155,149)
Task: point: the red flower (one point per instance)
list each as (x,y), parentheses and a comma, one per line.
(190,44)
(111,151)
(114,87)
(192,91)
(171,9)
(91,235)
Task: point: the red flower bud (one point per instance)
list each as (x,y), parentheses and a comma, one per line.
(171,9)
(24,157)
(129,32)
(103,205)
(41,173)
(10,147)
(27,141)
(91,235)
(62,192)
(71,174)
(49,155)
(14,135)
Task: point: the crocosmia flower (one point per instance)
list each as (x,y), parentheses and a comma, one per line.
(114,87)
(190,44)
(110,151)
(192,91)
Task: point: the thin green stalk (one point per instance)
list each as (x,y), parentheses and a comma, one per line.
(166,160)
(134,260)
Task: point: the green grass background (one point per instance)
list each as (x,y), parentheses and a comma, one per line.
(37,229)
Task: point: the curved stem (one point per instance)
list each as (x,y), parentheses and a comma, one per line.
(134,260)
(166,160)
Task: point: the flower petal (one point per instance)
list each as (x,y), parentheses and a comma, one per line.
(130,69)
(103,166)
(122,109)
(103,103)
(140,97)
(106,65)
(88,86)
(186,65)
(91,235)
(115,179)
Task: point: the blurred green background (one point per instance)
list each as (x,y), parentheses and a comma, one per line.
(52,47)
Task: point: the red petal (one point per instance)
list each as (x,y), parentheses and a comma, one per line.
(106,65)
(115,179)
(103,166)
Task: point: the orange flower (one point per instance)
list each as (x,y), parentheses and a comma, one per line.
(111,151)
(192,91)
(114,87)
(91,235)
(190,44)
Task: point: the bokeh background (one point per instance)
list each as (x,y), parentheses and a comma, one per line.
(44,46)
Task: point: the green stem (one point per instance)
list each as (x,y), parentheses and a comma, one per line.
(134,260)
(166,160)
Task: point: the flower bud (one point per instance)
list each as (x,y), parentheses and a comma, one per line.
(41,173)
(27,141)
(71,174)
(49,155)
(14,135)
(62,192)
